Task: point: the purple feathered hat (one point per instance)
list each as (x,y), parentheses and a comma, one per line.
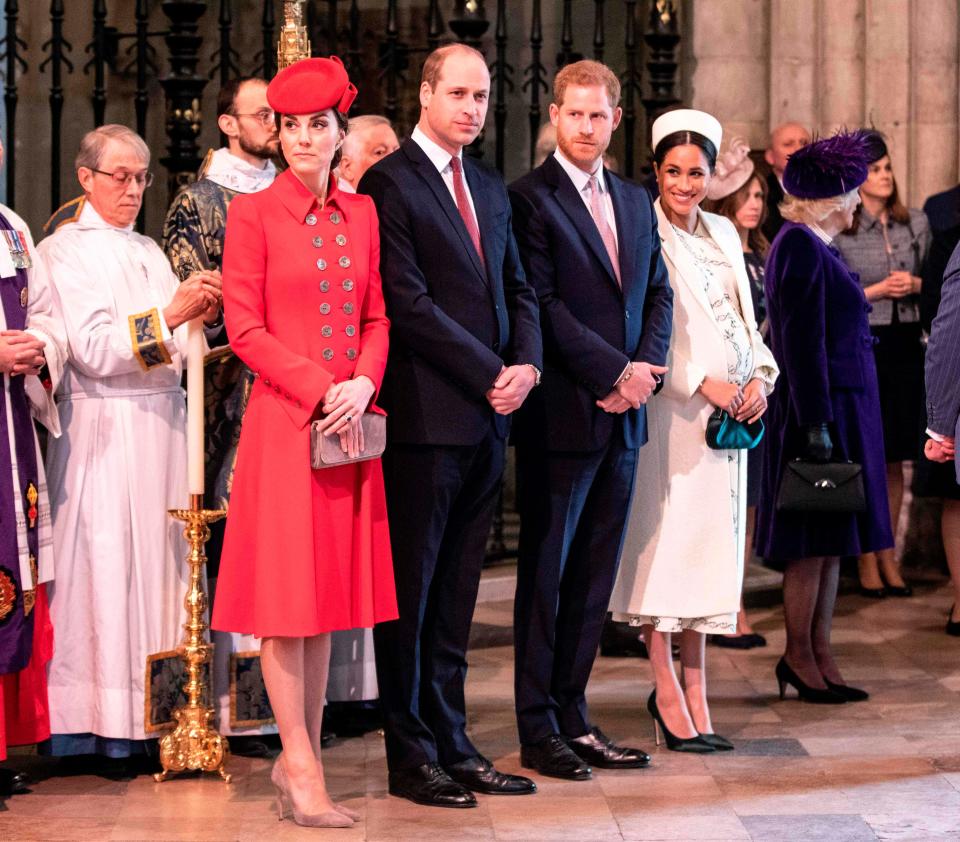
(828,167)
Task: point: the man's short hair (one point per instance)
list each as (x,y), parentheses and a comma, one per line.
(94,144)
(587,73)
(357,125)
(433,66)
(227,97)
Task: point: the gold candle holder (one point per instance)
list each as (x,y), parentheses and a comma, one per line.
(194,743)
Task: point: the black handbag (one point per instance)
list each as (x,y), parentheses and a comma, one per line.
(822,487)
(726,433)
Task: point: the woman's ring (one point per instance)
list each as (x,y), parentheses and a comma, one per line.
(349,418)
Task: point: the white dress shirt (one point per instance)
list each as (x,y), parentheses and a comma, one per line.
(440,158)
(581,180)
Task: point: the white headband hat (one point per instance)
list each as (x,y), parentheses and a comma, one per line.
(687,120)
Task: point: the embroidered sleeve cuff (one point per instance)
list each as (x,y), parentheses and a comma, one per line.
(148,335)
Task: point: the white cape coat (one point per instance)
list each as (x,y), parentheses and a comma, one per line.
(681,556)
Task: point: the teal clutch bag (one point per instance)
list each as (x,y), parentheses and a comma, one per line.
(726,433)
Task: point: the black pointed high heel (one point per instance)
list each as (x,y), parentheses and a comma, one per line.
(691,745)
(814,695)
(851,694)
(719,743)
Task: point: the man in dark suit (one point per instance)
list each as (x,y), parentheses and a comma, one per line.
(785,139)
(943,371)
(589,243)
(465,351)
(943,210)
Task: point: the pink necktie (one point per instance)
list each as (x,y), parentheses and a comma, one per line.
(606,232)
(463,205)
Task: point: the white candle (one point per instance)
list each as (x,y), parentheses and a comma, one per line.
(195,456)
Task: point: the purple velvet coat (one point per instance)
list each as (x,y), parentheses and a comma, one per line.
(821,340)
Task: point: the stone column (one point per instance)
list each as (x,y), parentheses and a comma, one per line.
(794,62)
(842,71)
(731,42)
(933,113)
(887,92)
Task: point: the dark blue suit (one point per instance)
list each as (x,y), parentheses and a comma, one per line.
(943,358)
(454,325)
(575,462)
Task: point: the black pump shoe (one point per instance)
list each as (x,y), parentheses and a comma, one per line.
(814,695)
(851,694)
(689,745)
(953,626)
(873,593)
(719,743)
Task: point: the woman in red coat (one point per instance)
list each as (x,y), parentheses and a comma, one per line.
(306,551)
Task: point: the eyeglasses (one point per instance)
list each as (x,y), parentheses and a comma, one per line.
(121,178)
(265,117)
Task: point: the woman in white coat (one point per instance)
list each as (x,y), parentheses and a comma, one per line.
(682,562)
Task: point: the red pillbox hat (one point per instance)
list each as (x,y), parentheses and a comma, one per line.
(312,85)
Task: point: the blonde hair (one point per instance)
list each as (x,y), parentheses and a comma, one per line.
(806,211)
(94,144)
(586,73)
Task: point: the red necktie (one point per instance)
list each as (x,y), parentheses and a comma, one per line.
(463,205)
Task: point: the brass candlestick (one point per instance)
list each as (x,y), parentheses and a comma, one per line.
(194,743)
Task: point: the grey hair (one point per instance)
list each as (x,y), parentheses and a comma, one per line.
(806,211)
(94,144)
(356,125)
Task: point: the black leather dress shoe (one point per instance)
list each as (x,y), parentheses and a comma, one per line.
(553,757)
(430,785)
(597,749)
(477,774)
(13,783)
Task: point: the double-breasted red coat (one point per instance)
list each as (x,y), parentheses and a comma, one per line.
(306,551)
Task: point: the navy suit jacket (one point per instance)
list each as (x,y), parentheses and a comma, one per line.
(591,328)
(943,359)
(943,209)
(453,323)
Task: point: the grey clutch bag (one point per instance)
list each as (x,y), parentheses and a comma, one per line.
(325,451)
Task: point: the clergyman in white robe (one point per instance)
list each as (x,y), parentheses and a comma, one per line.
(120,464)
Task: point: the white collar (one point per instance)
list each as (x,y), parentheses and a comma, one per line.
(438,156)
(234,173)
(579,178)
(820,233)
(344,186)
(90,220)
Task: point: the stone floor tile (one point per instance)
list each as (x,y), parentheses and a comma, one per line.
(519,819)
(31,828)
(704,828)
(808,828)
(396,818)
(915,828)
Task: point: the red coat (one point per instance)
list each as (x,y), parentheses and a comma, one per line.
(305,551)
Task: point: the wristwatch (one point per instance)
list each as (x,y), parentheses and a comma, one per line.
(537,372)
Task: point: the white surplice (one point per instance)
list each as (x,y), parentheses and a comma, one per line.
(119,465)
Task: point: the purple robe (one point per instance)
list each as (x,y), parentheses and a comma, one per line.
(820,337)
(16,617)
